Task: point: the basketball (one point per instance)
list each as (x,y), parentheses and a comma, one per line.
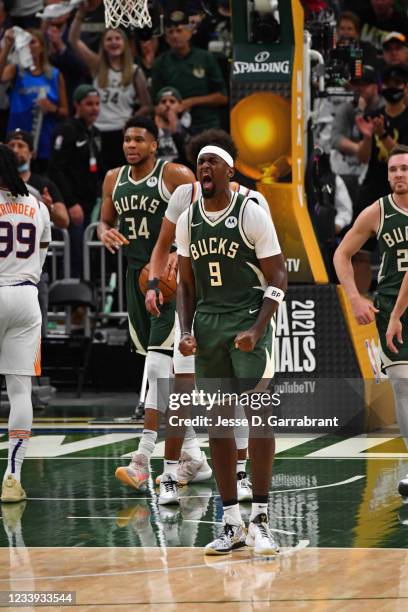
(167,286)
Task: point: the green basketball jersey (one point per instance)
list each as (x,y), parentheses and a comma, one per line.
(140,206)
(393,244)
(225,266)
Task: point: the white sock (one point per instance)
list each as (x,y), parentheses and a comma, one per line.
(232,514)
(17,448)
(191,445)
(241,465)
(258,509)
(170,467)
(147,442)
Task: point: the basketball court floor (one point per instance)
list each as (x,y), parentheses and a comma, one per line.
(341,525)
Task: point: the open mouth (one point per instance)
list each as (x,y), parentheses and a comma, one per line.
(207,182)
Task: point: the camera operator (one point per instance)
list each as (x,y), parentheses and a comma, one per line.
(346,136)
(381,132)
(348,33)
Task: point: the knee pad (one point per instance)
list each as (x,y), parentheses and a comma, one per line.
(159,369)
(241,432)
(21,407)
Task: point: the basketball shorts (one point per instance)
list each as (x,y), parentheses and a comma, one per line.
(218,362)
(385,304)
(148,333)
(20,331)
(181,364)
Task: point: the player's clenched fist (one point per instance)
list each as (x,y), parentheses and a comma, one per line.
(188,345)
(113,239)
(246,341)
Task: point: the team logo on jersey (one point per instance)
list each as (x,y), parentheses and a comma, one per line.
(199,72)
(152,181)
(231,222)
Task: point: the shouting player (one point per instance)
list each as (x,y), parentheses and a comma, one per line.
(232,279)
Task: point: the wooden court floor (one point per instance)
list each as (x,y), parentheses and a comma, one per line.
(342,528)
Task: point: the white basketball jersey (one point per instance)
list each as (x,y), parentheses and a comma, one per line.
(24,224)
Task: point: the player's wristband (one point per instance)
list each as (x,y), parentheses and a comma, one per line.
(274,293)
(153,283)
(185,334)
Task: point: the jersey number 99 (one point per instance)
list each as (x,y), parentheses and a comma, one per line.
(25,235)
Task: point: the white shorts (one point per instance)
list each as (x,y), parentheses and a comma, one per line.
(20,331)
(181,364)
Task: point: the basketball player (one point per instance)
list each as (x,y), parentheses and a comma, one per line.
(25,233)
(387,220)
(232,279)
(136,197)
(191,467)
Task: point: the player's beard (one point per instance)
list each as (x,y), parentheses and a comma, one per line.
(208,193)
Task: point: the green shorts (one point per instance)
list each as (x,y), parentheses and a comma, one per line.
(219,360)
(385,304)
(148,333)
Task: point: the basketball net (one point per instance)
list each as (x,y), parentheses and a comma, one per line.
(127,13)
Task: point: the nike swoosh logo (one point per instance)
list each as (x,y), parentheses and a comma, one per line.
(252,310)
(195,224)
(81,143)
(388,216)
(123,183)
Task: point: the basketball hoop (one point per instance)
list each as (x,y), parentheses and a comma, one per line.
(127,13)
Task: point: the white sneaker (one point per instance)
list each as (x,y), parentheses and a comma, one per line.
(244,487)
(136,474)
(231,537)
(403,487)
(12,491)
(260,537)
(191,470)
(168,490)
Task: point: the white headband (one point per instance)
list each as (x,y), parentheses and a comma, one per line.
(217,151)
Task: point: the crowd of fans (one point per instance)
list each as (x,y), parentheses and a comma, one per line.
(66,106)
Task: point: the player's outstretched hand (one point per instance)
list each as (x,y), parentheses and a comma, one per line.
(172,264)
(188,345)
(113,239)
(394,329)
(363,310)
(246,341)
(151,302)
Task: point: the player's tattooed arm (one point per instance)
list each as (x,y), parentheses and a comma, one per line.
(186,305)
(107,233)
(365,226)
(274,270)
(177,174)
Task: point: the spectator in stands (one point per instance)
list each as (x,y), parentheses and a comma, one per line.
(194,72)
(38,97)
(348,32)
(23,13)
(380,18)
(55,25)
(5,23)
(346,136)
(381,133)
(22,144)
(147,47)
(121,85)
(173,125)
(93,24)
(75,166)
(395,49)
